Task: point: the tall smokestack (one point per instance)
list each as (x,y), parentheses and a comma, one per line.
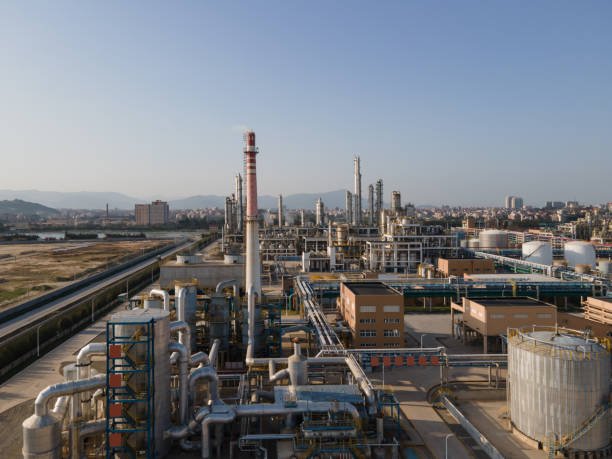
(239,204)
(379,200)
(280,210)
(253,273)
(371,204)
(357,194)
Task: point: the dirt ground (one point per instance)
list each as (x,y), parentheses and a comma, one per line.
(29,270)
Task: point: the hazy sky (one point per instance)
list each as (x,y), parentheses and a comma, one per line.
(459,102)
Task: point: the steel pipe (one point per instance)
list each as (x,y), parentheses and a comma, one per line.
(183,362)
(164,294)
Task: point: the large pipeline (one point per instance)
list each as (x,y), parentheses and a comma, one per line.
(183,362)
(165,295)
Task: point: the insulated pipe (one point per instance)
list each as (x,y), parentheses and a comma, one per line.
(83,366)
(249,360)
(199,358)
(164,294)
(208,374)
(279,375)
(217,418)
(184,333)
(226,283)
(61,407)
(363,382)
(277,409)
(183,379)
(214,352)
(66,388)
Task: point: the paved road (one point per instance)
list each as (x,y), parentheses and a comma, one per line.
(20,322)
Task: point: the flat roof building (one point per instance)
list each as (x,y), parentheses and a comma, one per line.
(490,318)
(156,213)
(374,313)
(460,266)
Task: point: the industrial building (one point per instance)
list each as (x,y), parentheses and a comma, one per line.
(488,319)
(460,266)
(598,310)
(374,313)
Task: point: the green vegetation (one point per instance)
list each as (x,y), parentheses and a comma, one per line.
(8,295)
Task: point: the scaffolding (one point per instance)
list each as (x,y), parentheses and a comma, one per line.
(130,386)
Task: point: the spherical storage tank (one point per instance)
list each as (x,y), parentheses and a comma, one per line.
(538,252)
(556,383)
(493,239)
(579,253)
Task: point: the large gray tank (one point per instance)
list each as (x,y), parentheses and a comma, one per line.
(493,239)
(556,383)
(42,437)
(130,325)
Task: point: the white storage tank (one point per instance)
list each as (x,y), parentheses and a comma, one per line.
(557,381)
(493,239)
(473,243)
(538,252)
(579,253)
(605,267)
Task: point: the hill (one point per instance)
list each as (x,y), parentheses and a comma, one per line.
(19,207)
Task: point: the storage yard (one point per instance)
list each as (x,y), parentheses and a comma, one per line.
(30,270)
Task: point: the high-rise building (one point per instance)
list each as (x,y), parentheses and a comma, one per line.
(156,213)
(508,202)
(517,203)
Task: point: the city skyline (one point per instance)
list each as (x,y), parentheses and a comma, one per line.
(452,104)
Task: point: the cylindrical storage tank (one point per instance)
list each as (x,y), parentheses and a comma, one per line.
(493,239)
(42,437)
(556,383)
(132,329)
(190,308)
(579,253)
(187,259)
(538,252)
(473,243)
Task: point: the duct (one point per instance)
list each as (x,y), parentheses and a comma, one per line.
(83,366)
(220,414)
(92,427)
(214,352)
(226,283)
(164,294)
(279,375)
(98,395)
(258,395)
(207,374)
(199,358)
(184,331)
(65,388)
(61,407)
(183,379)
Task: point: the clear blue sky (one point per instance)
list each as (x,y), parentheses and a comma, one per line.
(459,102)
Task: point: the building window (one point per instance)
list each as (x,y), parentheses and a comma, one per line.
(393,308)
(367,333)
(497,316)
(392,321)
(368,309)
(393,333)
(367,321)
(391,344)
(520,316)
(544,316)
(367,345)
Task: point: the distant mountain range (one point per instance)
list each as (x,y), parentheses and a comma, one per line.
(17,206)
(98,200)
